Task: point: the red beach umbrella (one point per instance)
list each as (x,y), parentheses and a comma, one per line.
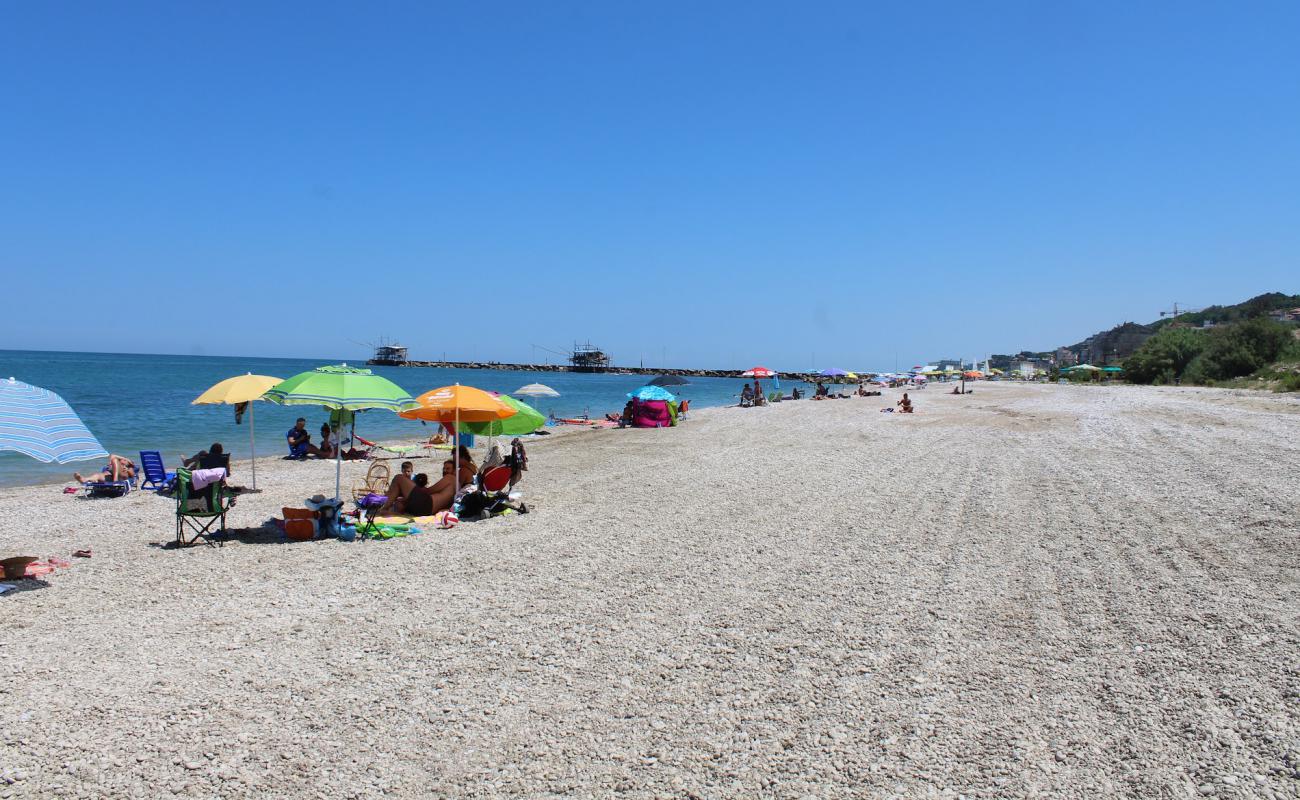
(758,372)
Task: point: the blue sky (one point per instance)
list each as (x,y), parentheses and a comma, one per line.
(801,185)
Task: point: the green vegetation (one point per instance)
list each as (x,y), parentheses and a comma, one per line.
(1252,347)
(1164,357)
(1258,306)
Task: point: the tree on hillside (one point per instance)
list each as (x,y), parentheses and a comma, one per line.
(1163,357)
(1232,351)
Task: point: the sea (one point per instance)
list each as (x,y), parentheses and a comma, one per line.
(143,402)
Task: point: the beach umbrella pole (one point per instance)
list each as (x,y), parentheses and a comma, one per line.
(252,442)
(338,467)
(456,444)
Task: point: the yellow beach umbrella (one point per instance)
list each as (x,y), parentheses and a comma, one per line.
(240,389)
(457,404)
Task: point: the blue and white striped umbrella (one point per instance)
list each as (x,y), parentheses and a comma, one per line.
(38,423)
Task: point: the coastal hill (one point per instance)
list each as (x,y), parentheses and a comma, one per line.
(1121,341)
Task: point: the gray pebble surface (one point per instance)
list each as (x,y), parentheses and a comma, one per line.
(1031,591)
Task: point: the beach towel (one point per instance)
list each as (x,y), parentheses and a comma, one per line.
(203,478)
(443,519)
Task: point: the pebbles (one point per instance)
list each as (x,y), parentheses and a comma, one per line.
(1061,591)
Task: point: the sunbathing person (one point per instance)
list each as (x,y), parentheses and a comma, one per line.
(418,502)
(747,396)
(821,392)
(398,489)
(119,468)
(326,447)
(905,405)
(425,499)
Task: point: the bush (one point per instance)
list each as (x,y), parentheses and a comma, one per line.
(1198,356)
(1164,357)
(1236,350)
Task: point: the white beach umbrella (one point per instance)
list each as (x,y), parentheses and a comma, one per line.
(535,390)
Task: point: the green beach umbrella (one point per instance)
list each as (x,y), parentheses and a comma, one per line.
(341,387)
(527,420)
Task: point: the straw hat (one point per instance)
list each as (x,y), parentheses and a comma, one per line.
(16,567)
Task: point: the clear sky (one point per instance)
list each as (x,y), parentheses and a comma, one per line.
(710,184)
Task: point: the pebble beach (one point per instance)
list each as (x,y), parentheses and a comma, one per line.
(1029,591)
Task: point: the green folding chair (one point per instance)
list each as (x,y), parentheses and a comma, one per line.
(197,511)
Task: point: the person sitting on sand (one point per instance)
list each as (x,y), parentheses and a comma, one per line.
(905,405)
(629,410)
(820,392)
(398,488)
(119,468)
(759,397)
(299,439)
(468,469)
(795,394)
(197,460)
(426,500)
(747,396)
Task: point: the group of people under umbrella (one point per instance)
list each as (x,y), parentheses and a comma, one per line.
(39,423)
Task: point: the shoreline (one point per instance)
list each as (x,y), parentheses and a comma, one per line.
(244,465)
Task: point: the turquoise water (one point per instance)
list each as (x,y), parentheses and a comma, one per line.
(135,402)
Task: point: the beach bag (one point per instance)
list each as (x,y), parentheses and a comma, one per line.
(474,504)
(300,523)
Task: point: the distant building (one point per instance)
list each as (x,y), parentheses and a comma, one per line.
(389,354)
(587,358)
(1113,346)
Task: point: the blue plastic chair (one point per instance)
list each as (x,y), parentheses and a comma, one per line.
(156,476)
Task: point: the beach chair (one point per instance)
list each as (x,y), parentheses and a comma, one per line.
(109,488)
(197,511)
(156,476)
(216,461)
(376,481)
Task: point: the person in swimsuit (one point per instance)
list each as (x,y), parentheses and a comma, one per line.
(425,499)
(119,468)
(468,469)
(399,488)
(905,405)
(418,503)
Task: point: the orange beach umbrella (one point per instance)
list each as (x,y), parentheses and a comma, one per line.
(457,404)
